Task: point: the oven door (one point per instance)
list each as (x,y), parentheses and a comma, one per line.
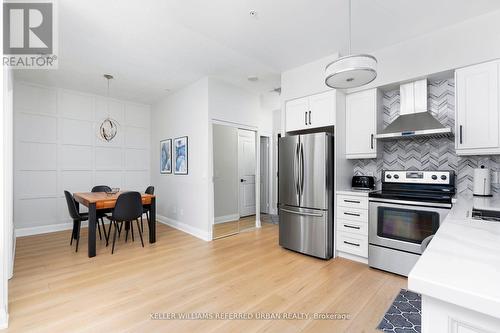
(403,225)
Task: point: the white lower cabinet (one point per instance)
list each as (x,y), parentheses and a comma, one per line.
(352,226)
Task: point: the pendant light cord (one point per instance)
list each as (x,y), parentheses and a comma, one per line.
(350,24)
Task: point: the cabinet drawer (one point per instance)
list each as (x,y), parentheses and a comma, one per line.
(352,243)
(359,228)
(352,214)
(352,201)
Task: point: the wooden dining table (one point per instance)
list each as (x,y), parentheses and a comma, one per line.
(95,201)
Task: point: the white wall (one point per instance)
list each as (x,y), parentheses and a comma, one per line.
(469,42)
(226,185)
(57,149)
(182,200)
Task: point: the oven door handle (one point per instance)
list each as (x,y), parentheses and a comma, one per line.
(411,203)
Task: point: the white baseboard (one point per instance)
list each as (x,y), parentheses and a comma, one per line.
(45,229)
(4,318)
(226,218)
(352,257)
(196,232)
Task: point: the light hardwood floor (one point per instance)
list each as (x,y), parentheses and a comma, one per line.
(233,227)
(55,289)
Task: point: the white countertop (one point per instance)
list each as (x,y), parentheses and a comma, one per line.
(358,193)
(462,263)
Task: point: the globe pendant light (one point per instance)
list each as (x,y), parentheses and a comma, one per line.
(109,127)
(353,70)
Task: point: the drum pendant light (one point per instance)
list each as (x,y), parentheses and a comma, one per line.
(353,70)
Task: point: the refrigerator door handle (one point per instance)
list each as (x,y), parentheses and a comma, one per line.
(296,171)
(301,168)
(301,213)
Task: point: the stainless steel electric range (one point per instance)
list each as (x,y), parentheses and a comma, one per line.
(408,209)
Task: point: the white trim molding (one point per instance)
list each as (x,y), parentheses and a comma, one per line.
(196,232)
(4,318)
(45,229)
(226,218)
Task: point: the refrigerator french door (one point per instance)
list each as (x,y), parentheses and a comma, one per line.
(305,178)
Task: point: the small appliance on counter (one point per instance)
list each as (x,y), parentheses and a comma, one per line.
(482,182)
(486,209)
(363,183)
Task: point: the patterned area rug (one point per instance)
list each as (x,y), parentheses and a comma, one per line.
(404,315)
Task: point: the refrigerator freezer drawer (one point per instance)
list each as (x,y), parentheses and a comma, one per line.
(306,230)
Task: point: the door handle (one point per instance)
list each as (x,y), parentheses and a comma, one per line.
(351,214)
(349,243)
(301,213)
(352,226)
(460,134)
(371,141)
(305,117)
(301,169)
(242,180)
(310,117)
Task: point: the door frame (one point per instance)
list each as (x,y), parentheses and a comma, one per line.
(269,170)
(211,193)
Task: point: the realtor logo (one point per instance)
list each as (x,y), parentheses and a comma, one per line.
(29,34)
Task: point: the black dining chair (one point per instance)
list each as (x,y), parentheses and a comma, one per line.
(128,208)
(101,214)
(77,218)
(147,208)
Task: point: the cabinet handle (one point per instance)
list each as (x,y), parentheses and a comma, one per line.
(460,134)
(305,117)
(352,214)
(352,226)
(349,243)
(352,201)
(309,117)
(371,140)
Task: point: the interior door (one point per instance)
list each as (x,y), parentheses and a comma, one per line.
(313,159)
(288,170)
(246,171)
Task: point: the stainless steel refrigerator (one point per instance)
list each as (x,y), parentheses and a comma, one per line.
(305,177)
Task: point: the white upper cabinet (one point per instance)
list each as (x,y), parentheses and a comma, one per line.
(311,112)
(361,124)
(477,120)
(297,112)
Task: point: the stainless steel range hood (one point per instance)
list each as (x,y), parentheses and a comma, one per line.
(414,119)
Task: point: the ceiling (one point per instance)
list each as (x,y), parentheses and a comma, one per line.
(152,46)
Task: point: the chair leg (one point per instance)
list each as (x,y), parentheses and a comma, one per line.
(109,232)
(142,223)
(79,223)
(73,232)
(104,228)
(127,227)
(132,229)
(119,231)
(140,233)
(114,237)
(99,228)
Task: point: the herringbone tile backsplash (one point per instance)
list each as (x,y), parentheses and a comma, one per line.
(427,154)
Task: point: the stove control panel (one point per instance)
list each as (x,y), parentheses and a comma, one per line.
(418,177)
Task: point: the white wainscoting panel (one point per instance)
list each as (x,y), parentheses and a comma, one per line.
(57,148)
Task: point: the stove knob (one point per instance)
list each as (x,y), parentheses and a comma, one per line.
(388,176)
(434,177)
(396,176)
(443,177)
